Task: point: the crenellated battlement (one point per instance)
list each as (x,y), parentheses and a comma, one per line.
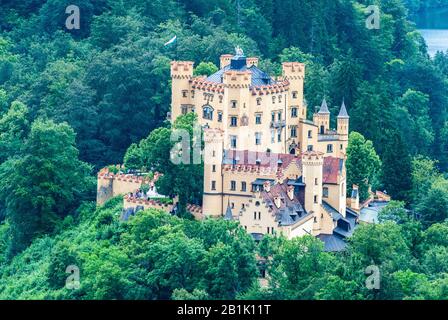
(252,61)
(182,69)
(312,158)
(237,79)
(293,70)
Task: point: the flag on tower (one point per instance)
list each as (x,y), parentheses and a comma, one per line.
(171,41)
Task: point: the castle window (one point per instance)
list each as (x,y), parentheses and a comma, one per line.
(219,116)
(233,205)
(329,148)
(315,199)
(279,99)
(294,113)
(233,141)
(257,204)
(213,185)
(258,101)
(207,112)
(233,121)
(214,168)
(322,129)
(192,93)
(316,182)
(294,132)
(184,109)
(279,116)
(272,136)
(341,147)
(233,185)
(310,147)
(259,215)
(310,134)
(257,138)
(243,186)
(258,118)
(214,153)
(294,94)
(325,192)
(273,99)
(233,103)
(184,93)
(273,116)
(279,135)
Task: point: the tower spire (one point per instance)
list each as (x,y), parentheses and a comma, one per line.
(324,107)
(343,111)
(229,214)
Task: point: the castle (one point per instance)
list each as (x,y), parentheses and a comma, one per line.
(266,165)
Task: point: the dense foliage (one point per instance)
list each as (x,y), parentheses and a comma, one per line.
(73,100)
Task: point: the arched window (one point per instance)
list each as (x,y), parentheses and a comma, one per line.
(207,112)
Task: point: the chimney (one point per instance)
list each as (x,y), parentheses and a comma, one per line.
(278,201)
(290,190)
(267,186)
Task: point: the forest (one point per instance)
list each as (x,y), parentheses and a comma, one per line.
(74,101)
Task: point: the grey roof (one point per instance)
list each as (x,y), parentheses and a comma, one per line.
(334,213)
(260,182)
(228,215)
(343,112)
(257,236)
(285,218)
(324,108)
(332,243)
(259,77)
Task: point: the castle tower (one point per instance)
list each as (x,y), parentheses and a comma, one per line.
(343,127)
(312,167)
(224,60)
(294,72)
(322,118)
(181,96)
(237,98)
(213,155)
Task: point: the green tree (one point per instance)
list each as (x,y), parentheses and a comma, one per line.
(363,164)
(396,167)
(44,183)
(205,69)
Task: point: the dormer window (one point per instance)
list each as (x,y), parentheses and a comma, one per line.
(207,112)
